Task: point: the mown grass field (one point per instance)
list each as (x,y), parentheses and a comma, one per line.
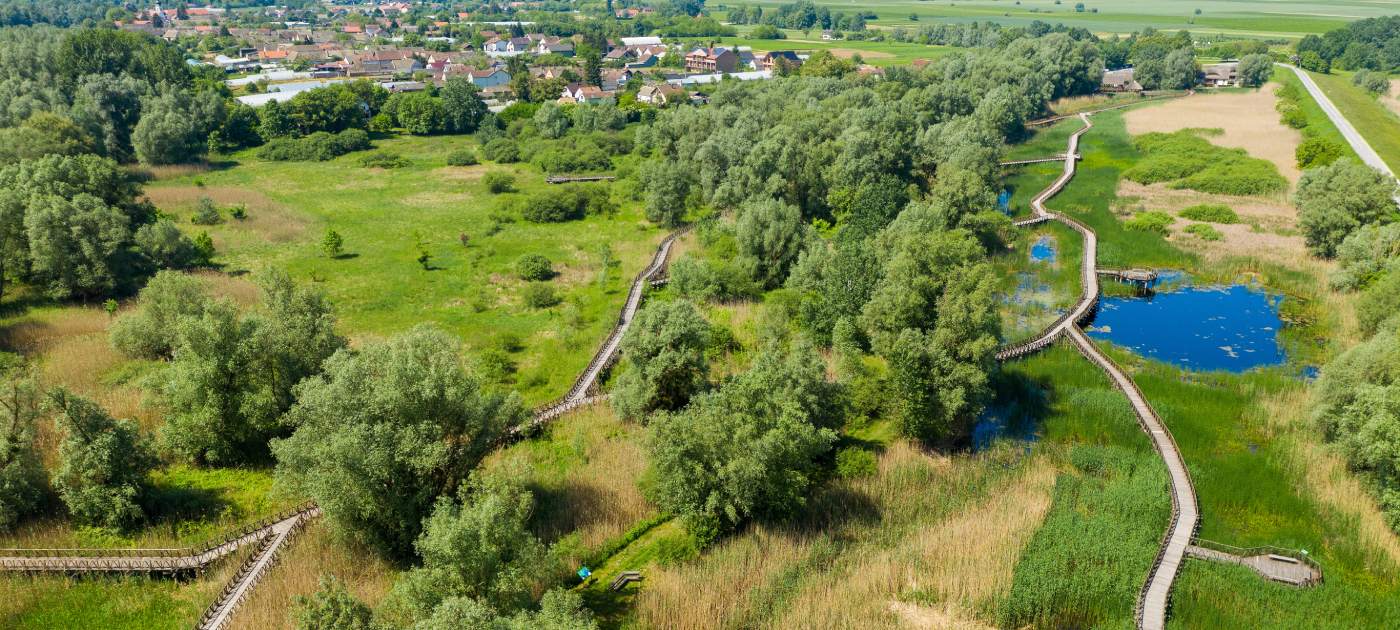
(889,53)
(470,290)
(1257,18)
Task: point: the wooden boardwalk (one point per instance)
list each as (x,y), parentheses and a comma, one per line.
(272,534)
(1153,597)
(1279,567)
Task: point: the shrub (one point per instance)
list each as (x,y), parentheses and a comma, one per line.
(501,150)
(853,462)
(498,182)
(1210,213)
(767,31)
(383,159)
(1187,160)
(1317,152)
(567,203)
(1378,303)
(706,281)
(534,267)
(206,213)
(1204,231)
(319,146)
(539,295)
(583,157)
(1150,221)
(462,157)
(1375,83)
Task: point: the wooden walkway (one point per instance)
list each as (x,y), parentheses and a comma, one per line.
(1151,609)
(272,534)
(1053,158)
(1279,567)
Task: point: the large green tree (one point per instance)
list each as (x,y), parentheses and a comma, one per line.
(387,430)
(103,463)
(21,474)
(747,450)
(771,233)
(233,376)
(1335,200)
(664,356)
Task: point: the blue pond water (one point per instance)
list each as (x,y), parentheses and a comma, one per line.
(1232,328)
(1004,201)
(1043,251)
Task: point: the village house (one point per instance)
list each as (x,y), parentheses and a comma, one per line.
(554,45)
(1119,81)
(770,60)
(661,94)
(588,94)
(1224,74)
(711,60)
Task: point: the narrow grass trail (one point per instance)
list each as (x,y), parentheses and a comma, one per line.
(271,535)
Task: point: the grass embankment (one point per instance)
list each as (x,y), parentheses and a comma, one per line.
(1371,118)
(1319,124)
(470,288)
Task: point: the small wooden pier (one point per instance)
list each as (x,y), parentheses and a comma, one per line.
(1138,276)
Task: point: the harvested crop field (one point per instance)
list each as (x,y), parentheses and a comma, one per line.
(1248,120)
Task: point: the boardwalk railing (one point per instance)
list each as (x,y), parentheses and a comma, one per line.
(158,560)
(1263,550)
(565,179)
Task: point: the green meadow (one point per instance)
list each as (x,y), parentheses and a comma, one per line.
(386,217)
(1254,18)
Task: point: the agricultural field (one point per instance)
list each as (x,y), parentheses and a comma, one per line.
(1253,18)
(888,53)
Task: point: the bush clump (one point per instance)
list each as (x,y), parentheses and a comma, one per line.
(462,157)
(567,203)
(1317,152)
(206,213)
(1150,221)
(1204,231)
(534,267)
(1185,159)
(1211,213)
(539,295)
(319,146)
(498,182)
(383,159)
(501,150)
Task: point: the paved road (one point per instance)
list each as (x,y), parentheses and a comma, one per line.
(1358,143)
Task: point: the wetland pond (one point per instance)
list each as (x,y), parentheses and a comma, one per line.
(1231,327)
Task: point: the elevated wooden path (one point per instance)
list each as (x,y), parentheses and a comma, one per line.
(1151,610)
(1280,565)
(565,179)
(1054,158)
(270,535)
(1179,538)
